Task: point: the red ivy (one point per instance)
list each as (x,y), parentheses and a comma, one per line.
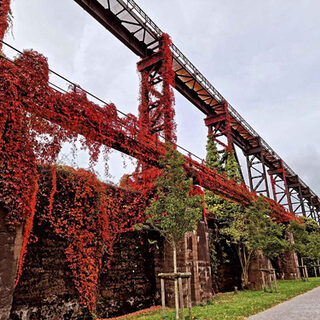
(4,18)
(88,215)
(156,112)
(28,138)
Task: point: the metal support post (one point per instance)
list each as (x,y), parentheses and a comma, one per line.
(257,173)
(219,127)
(156,114)
(297,200)
(279,186)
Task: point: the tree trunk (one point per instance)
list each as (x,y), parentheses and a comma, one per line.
(241,263)
(246,276)
(303,270)
(245,262)
(176,297)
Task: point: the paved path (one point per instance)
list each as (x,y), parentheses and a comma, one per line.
(303,307)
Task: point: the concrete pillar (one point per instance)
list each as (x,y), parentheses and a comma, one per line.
(258,262)
(192,256)
(204,267)
(10,246)
(287,263)
(191,263)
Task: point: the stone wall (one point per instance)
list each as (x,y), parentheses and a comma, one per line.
(130,282)
(287,265)
(46,290)
(192,256)
(258,262)
(226,269)
(10,246)
(203,262)
(228,273)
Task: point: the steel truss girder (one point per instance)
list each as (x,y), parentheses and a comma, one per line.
(298,205)
(219,125)
(280,188)
(297,200)
(312,210)
(257,170)
(156,115)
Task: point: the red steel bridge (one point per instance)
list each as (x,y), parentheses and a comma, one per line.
(268,174)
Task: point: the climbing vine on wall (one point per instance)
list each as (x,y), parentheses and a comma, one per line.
(88,215)
(156,111)
(4,18)
(28,139)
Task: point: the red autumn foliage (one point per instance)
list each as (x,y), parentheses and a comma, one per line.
(4,18)
(88,215)
(156,112)
(279,214)
(27,139)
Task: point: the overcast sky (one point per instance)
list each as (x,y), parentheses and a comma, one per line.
(262,55)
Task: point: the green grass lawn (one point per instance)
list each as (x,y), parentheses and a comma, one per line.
(245,303)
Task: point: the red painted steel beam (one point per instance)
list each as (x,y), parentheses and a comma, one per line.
(192,96)
(214,119)
(113,24)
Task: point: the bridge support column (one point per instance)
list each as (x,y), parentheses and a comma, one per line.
(280,186)
(192,256)
(219,127)
(257,170)
(311,204)
(287,263)
(156,113)
(256,275)
(312,212)
(316,208)
(295,191)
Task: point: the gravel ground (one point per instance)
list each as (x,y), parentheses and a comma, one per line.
(303,307)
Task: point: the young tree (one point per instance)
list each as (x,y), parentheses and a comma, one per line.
(253,230)
(221,211)
(232,169)
(314,247)
(174,211)
(217,206)
(306,239)
(245,230)
(213,160)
